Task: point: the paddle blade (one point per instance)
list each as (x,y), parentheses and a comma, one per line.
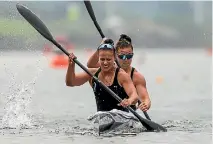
(92,15)
(152,126)
(39,26)
(34,21)
(90,10)
(148,124)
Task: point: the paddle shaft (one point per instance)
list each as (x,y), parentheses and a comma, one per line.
(146,115)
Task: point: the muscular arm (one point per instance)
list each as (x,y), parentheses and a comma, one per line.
(140,84)
(126,82)
(93,61)
(73,79)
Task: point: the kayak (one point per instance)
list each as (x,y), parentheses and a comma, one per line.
(59,61)
(114,121)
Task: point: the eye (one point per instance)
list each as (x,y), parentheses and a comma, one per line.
(102,59)
(108,59)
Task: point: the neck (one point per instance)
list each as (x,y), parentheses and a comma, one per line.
(128,69)
(110,72)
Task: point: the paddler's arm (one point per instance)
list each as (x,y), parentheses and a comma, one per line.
(73,79)
(93,61)
(140,84)
(126,82)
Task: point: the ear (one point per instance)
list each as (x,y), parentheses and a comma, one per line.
(114,53)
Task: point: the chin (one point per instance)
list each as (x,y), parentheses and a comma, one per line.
(125,65)
(105,69)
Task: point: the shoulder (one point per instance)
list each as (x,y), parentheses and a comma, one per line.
(93,70)
(138,78)
(122,73)
(123,76)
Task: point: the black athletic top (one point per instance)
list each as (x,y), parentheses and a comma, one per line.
(132,72)
(104,101)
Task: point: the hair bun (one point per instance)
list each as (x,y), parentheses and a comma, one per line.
(125,37)
(109,41)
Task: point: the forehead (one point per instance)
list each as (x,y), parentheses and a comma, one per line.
(125,50)
(106,53)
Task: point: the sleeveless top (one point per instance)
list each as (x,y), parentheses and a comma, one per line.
(104,101)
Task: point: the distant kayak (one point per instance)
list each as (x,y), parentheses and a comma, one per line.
(57,59)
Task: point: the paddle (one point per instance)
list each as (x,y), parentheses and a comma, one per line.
(43,30)
(92,15)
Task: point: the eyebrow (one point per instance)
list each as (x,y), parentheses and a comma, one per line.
(125,53)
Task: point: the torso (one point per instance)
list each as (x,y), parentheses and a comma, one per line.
(104,101)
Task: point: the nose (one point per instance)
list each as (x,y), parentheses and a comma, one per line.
(125,59)
(105,62)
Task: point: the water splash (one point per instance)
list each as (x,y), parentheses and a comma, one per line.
(17,113)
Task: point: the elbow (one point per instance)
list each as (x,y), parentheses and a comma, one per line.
(69,83)
(89,65)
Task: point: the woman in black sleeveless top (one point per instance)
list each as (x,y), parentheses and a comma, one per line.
(124,52)
(116,79)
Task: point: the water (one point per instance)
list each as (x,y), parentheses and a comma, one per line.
(37,107)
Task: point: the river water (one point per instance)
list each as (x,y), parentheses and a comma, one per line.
(36,107)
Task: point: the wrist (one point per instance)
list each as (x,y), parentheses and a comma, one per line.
(71,65)
(132,101)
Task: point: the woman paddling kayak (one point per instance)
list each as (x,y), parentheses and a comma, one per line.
(113,77)
(124,53)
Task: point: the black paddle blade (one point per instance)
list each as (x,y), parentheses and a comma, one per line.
(92,15)
(148,124)
(152,126)
(34,21)
(90,10)
(38,25)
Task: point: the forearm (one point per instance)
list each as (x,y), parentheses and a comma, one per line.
(147,99)
(70,76)
(133,98)
(144,98)
(143,95)
(93,60)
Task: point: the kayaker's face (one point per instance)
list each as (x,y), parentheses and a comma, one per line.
(106,58)
(125,56)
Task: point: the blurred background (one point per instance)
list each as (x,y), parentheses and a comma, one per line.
(157,24)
